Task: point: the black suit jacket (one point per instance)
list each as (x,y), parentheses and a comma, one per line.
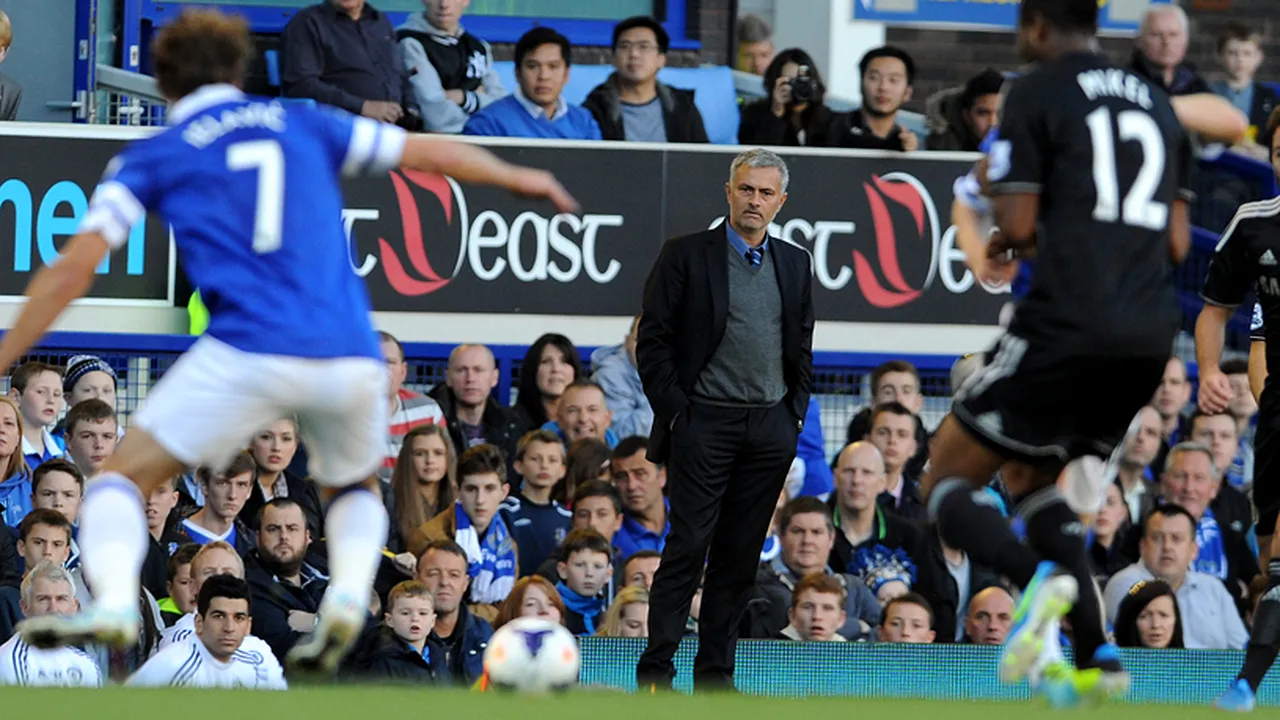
(686,305)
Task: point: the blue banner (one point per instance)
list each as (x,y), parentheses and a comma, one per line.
(1114,15)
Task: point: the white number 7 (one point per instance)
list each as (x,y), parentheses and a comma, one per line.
(267,158)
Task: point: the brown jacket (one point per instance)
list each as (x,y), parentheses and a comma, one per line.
(443,527)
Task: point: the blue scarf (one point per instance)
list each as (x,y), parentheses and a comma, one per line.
(15,496)
(587,607)
(1212,559)
(491,562)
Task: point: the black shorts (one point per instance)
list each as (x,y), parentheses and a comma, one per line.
(1266,468)
(1038,405)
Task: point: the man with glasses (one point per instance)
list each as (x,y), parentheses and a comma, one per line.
(632,105)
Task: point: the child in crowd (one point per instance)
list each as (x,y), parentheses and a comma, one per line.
(37,388)
(538,523)
(586,565)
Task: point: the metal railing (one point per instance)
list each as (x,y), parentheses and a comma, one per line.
(122,97)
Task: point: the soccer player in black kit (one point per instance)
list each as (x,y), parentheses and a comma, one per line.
(1091,174)
(1248,256)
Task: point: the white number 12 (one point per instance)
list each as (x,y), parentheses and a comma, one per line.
(267,158)
(1139,210)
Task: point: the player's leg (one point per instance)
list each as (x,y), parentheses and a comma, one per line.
(344,424)
(1264,639)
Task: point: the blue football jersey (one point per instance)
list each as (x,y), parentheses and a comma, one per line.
(252,190)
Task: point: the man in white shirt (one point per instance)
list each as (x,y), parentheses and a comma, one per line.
(1209,616)
(46,590)
(215,657)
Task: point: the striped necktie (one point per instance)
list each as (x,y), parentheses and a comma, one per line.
(755,256)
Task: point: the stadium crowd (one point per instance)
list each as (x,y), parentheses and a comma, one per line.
(550,507)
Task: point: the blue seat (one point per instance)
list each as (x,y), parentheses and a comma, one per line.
(714,93)
(272,57)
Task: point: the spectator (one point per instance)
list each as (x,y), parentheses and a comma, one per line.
(442,567)
(583,412)
(1191,481)
(451,70)
(549,366)
(88,377)
(537,109)
(272,450)
(811,452)
(180,598)
(893,431)
(225,494)
(1168,547)
(990,617)
(895,381)
(532,596)
(90,433)
(1110,549)
(343,53)
(214,658)
(887,76)
(1139,453)
(480,527)
(793,112)
(632,105)
(47,590)
(399,649)
(641,483)
(215,558)
(948,578)
(807,533)
(1161,51)
(755,44)
(586,569)
(598,505)
(817,610)
(628,616)
(908,619)
(614,370)
(286,589)
(60,487)
(887,574)
(46,535)
(15,487)
(10,90)
(960,118)
(861,523)
(37,389)
(1240,51)
(1244,408)
(538,523)
(465,398)
(162,524)
(1171,398)
(1219,434)
(1148,617)
(588,459)
(638,569)
(408,408)
(423,485)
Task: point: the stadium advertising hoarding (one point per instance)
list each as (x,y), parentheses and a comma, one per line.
(1114,16)
(877,226)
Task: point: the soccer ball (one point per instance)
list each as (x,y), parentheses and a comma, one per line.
(532,655)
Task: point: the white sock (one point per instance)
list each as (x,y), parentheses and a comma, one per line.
(355,530)
(113,541)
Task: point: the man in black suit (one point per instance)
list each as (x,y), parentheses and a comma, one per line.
(725,350)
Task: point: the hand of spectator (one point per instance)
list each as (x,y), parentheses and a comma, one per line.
(541,184)
(1215,391)
(387,112)
(457,97)
(910,143)
(302,622)
(781,96)
(406,563)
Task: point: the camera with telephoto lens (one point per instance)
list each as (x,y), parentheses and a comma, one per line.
(802,87)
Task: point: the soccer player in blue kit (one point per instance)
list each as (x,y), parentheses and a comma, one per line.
(252,190)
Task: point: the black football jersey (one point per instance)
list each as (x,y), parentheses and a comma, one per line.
(1248,257)
(1103,149)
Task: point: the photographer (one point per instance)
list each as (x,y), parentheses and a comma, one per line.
(793,114)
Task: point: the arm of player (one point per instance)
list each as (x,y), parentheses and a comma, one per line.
(51,291)
(1016,215)
(474,164)
(1257,368)
(1212,116)
(1215,389)
(1180,231)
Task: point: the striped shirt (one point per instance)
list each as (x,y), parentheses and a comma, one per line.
(21,664)
(412,411)
(189,664)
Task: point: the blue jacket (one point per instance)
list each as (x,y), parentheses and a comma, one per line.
(15,496)
(509,117)
(811,449)
(623,390)
(465,657)
(610,437)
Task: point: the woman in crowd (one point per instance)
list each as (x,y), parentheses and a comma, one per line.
(423,484)
(793,114)
(628,616)
(1110,551)
(272,450)
(1149,617)
(15,488)
(551,364)
(532,596)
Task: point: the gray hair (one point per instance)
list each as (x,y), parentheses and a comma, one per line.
(1153,10)
(760,158)
(1190,447)
(753,29)
(45,570)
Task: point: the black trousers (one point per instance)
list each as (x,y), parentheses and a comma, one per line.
(724,473)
